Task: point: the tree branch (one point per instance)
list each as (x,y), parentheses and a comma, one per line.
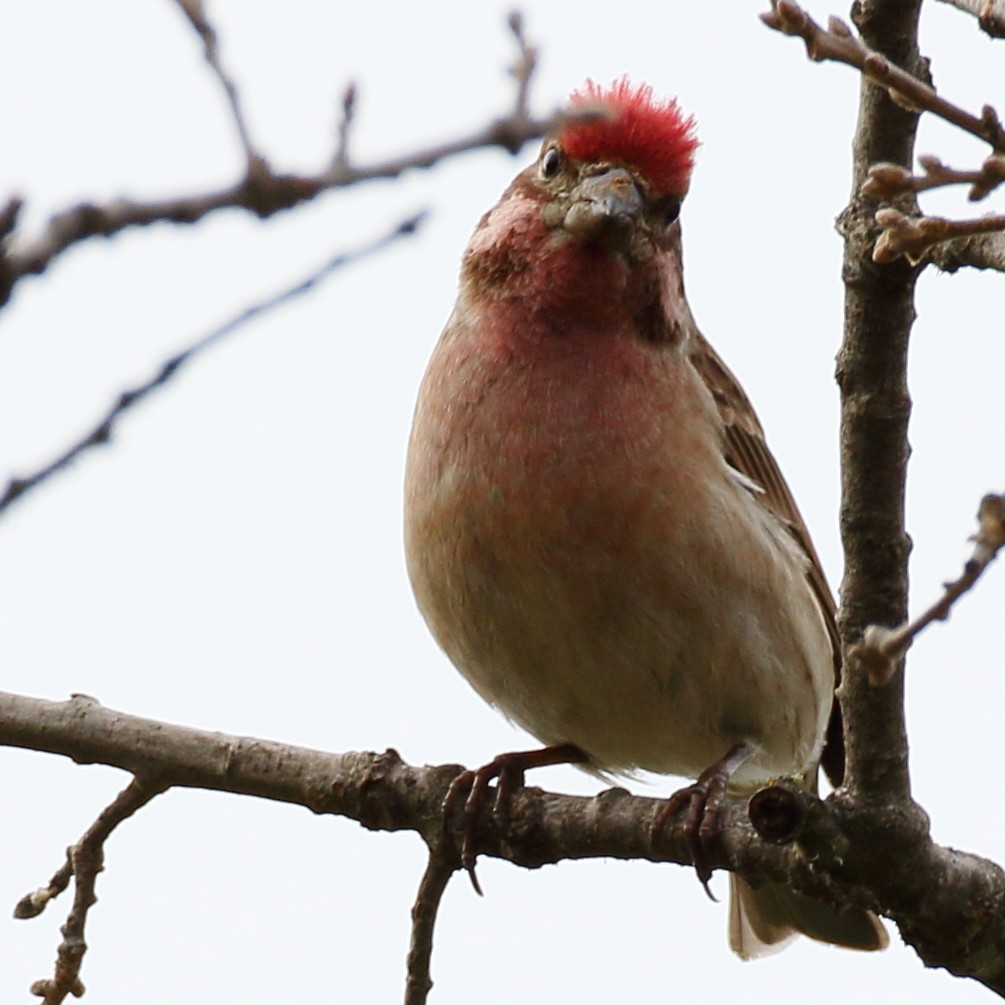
(917,237)
(874,59)
(881,648)
(875,409)
(990,14)
(914,237)
(101,433)
(439,869)
(985,251)
(889,180)
(949,904)
(262,191)
(83,862)
(195,13)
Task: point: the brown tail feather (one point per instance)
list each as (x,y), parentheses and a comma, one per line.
(764,920)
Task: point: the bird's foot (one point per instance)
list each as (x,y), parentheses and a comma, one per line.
(473,788)
(702,799)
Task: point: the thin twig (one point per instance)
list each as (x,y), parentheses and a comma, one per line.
(271,194)
(83,861)
(914,236)
(990,14)
(263,191)
(881,648)
(838,44)
(8,217)
(439,869)
(341,159)
(195,12)
(101,433)
(886,181)
(523,69)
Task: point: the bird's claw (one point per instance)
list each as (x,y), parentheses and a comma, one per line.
(698,826)
(701,822)
(473,786)
(467,786)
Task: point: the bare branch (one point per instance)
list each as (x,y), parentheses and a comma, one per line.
(101,433)
(194,11)
(886,181)
(379,791)
(523,69)
(832,856)
(263,191)
(341,159)
(985,251)
(8,217)
(913,237)
(990,14)
(269,194)
(875,412)
(83,861)
(439,869)
(881,648)
(838,44)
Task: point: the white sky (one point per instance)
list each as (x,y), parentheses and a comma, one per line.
(233,560)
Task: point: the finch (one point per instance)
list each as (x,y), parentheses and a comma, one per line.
(596,532)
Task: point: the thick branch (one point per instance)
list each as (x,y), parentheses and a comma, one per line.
(950,904)
(377,790)
(875,408)
(872,372)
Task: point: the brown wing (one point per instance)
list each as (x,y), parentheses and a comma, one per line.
(747,451)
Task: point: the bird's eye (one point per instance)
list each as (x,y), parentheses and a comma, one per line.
(551,161)
(670,210)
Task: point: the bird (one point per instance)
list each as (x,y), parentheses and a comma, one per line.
(596,532)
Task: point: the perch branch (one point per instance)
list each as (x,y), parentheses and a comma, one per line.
(889,862)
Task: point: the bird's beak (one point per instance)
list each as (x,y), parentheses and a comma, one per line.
(605,208)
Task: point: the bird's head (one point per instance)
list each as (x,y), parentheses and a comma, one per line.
(597,207)
(617,176)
